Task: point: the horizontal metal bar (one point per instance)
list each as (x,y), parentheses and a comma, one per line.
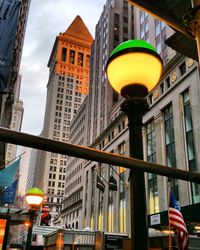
(92,154)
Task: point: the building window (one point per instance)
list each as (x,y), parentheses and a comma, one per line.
(144,26)
(72,56)
(182,68)
(64,54)
(86,196)
(167,81)
(121,148)
(195,192)
(169,137)
(125,19)
(111,212)
(160,30)
(87,61)
(151,142)
(111,206)
(141,16)
(162,88)
(122,201)
(93,200)
(80,59)
(116,30)
(152,178)
(189,137)
(100,215)
(170,145)
(123,125)
(115,97)
(189,130)
(101,204)
(150,98)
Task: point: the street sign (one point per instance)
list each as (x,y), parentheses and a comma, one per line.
(171,12)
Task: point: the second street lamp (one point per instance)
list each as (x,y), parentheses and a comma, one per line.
(133,69)
(34,198)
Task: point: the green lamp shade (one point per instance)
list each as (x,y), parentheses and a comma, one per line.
(132,66)
(34,197)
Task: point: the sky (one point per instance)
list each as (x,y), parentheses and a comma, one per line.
(47,18)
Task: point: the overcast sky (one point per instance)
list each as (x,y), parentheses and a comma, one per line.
(46,19)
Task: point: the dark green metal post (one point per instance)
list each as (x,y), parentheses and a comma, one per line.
(134,108)
(30,229)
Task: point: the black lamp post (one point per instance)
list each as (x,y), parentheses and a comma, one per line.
(34,198)
(133,69)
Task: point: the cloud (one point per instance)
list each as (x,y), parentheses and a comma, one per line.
(46,20)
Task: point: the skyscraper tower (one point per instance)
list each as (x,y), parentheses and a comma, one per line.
(115,25)
(107,126)
(104,209)
(11,107)
(66,89)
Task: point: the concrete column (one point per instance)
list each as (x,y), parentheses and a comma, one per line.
(180,147)
(160,158)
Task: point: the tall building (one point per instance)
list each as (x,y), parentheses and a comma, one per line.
(66,90)
(31,175)
(171,131)
(17,112)
(71,214)
(11,111)
(23,171)
(170,138)
(116,24)
(107,129)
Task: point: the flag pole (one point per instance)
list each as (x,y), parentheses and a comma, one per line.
(1,167)
(102,177)
(169,226)
(176,220)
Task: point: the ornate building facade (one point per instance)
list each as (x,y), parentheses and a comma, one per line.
(66,90)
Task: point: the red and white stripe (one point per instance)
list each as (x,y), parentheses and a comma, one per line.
(176,221)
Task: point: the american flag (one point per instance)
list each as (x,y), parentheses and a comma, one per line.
(177,222)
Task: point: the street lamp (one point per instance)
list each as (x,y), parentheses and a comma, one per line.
(34,198)
(133,69)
